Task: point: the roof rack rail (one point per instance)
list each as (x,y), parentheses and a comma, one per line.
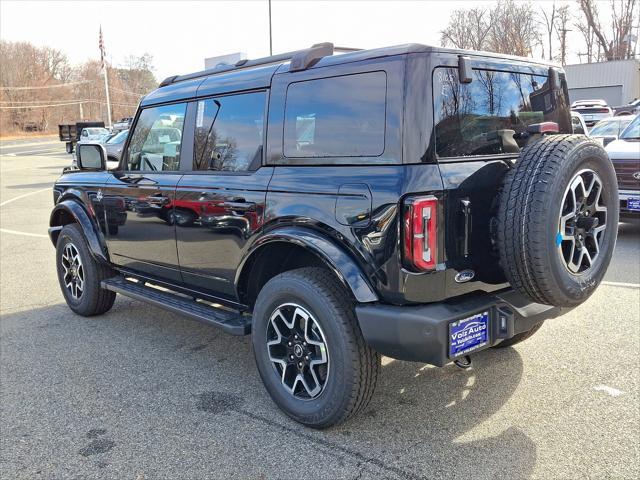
(300,60)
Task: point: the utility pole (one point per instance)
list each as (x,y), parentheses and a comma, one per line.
(563,45)
(270,37)
(106,80)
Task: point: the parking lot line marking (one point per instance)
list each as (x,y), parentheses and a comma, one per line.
(614,392)
(27,234)
(622,284)
(6,202)
(32,152)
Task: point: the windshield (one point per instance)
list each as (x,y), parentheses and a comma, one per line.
(609,128)
(120,137)
(632,132)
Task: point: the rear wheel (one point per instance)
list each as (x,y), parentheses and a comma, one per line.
(79,274)
(309,348)
(558,220)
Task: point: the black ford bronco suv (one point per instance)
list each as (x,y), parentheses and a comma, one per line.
(412,201)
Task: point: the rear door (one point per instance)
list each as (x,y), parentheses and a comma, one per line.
(479,128)
(139,199)
(219,203)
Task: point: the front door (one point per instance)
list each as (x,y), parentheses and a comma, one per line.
(219,205)
(139,199)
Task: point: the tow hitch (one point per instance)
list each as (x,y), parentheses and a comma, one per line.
(463,362)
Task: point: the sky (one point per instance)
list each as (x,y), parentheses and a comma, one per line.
(180,34)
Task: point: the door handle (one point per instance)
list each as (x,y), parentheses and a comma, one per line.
(466,212)
(240,206)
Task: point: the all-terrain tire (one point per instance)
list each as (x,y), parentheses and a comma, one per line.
(519,337)
(92,300)
(532,200)
(353,366)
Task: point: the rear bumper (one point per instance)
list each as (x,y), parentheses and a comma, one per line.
(421,333)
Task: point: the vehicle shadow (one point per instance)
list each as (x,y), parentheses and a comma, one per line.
(137,366)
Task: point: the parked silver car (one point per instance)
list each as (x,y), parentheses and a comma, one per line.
(610,129)
(592,110)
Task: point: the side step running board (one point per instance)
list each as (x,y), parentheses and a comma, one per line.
(230,321)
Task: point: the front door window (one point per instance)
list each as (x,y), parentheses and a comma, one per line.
(156,140)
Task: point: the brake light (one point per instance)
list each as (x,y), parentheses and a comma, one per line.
(419,230)
(544,127)
(603,110)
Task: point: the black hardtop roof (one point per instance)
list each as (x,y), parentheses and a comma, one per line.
(261,70)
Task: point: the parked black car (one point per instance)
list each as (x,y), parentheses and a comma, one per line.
(417,202)
(631,108)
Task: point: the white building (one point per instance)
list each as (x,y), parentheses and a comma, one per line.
(617,82)
(229,59)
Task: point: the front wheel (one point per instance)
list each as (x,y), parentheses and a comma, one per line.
(309,349)
(79,274)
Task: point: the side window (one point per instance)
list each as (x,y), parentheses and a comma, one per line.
(490,115)
(156,139)
(336,117)
(229,133)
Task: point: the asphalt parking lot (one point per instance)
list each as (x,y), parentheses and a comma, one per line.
(141,393)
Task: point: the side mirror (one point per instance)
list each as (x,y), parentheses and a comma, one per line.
(607,140)
(91,156)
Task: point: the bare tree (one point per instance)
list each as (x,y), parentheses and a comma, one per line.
(467,29)
(549,21)
(509,27)
(616,43)
(515,29)
(39,86)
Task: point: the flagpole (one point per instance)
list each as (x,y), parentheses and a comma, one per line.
(106,88)
(106,80)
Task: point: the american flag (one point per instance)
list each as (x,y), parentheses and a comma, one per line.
(101,45)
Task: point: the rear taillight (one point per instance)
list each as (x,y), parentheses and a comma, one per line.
(419,232)
(603,110)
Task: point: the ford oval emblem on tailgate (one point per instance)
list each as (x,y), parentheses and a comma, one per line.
(465,276)
(636,175)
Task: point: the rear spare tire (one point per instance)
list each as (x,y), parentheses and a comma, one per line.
(558,219)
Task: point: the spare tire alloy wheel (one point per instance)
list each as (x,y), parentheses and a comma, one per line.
(582,222)
(558,219)
(73,271)
(298,351)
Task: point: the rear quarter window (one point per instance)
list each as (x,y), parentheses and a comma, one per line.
(340,116)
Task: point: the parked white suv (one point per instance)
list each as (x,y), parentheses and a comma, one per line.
(592,110)
(625,156)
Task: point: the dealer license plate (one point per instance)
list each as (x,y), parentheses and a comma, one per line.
(468,334)
(633,204)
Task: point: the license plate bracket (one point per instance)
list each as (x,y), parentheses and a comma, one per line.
(633,204)
(468,334)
